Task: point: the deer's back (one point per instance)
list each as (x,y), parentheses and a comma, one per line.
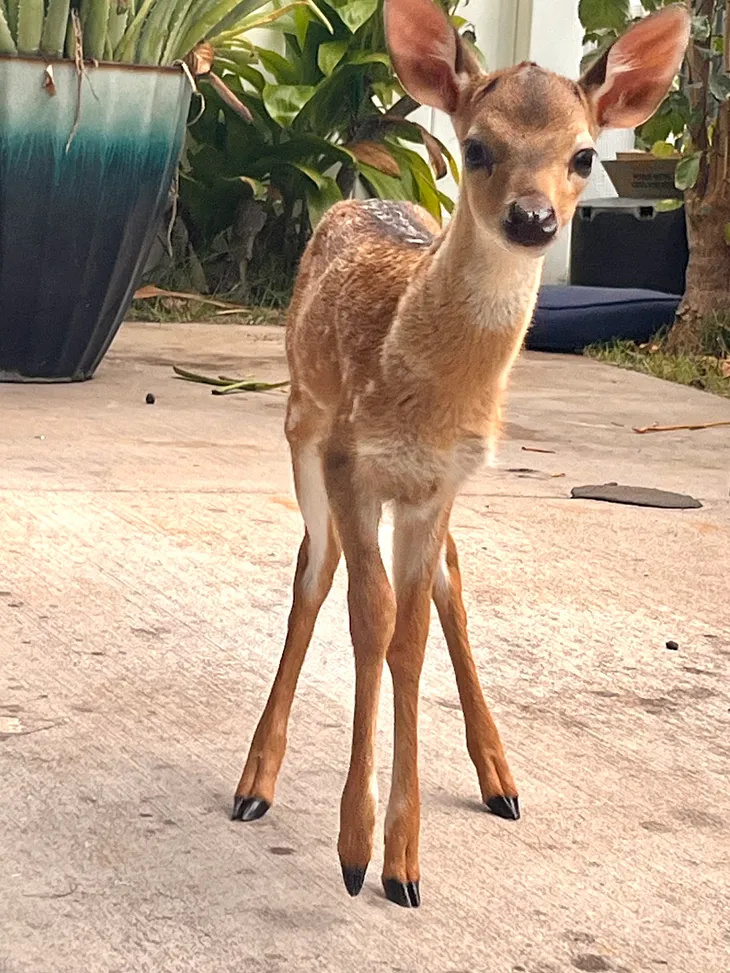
(352,276)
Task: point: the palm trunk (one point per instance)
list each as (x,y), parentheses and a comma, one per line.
(707,295)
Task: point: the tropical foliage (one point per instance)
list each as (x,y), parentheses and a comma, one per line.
(328,119)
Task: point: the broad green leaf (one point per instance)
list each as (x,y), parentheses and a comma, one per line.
(668,205)
(604,14)
(278,66)
(320,199)
(315,147)
(285,101)
(720,86)
(688,171)
(727,234)
(385,187)
(330,55)
(267,164)
(260,189)
(354,13)
(369,57)
(701,29)
(447,202)
(663,150)
(413,164)
(304,16)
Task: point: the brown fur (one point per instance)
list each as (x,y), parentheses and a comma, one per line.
(400,340)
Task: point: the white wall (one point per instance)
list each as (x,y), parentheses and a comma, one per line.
(556,42)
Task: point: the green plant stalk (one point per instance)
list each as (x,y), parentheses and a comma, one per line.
(30,26)
(116,26)
(219,18)
(195,377)
(97,18)
(195,11)
(7,44)
(176,30)
(248,386)
(70,40)
(53,37)
(154,32)
(125,49)
(13,8)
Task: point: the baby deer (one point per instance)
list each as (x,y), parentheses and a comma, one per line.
(400,341)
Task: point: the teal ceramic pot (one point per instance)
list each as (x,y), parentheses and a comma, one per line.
(83,188)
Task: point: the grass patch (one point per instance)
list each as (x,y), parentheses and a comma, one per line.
(705,372)
(168,310)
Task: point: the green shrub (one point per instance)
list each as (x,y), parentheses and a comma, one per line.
(328,114)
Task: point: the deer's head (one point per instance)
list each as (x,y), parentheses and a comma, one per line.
(528,135)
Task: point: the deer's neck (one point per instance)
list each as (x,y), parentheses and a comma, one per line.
(463,318)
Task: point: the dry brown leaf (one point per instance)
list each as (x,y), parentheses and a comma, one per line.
(49,83)
(376,155)
(435,155)
(200,59)
(228,97)
(149,291)
(725,368)
(691,427)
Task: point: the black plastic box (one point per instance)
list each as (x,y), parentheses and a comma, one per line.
(629,243)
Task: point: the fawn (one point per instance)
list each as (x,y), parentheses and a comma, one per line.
(400,340)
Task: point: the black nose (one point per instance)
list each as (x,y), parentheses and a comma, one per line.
(531,222)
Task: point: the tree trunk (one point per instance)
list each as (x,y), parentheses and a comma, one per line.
(707,294)
(707,207)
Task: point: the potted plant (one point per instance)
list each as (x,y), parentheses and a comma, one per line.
(92,121)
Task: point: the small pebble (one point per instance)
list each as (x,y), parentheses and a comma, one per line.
(673,646)
(150,399)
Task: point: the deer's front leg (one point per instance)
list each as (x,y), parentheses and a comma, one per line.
(417,540)
(372,613)
(482,737)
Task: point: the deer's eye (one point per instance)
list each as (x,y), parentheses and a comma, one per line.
(582,162)
(477,155)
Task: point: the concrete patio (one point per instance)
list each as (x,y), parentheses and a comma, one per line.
(144,587)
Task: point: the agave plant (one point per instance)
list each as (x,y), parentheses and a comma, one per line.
(156,32)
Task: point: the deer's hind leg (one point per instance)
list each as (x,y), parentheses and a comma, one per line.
(417,539)
(482,737)
(317,562)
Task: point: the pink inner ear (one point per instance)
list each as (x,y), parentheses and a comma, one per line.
(657,43)
(423,50)
(641,68)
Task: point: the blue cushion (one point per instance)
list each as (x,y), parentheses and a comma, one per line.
(569,318)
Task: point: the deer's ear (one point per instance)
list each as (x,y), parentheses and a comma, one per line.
(626,85)
(428,55)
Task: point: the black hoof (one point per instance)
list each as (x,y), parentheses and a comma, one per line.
(354,879)
(249,808)
(406,894)
(505,807)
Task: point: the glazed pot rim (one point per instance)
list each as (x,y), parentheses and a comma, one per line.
(95,66)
